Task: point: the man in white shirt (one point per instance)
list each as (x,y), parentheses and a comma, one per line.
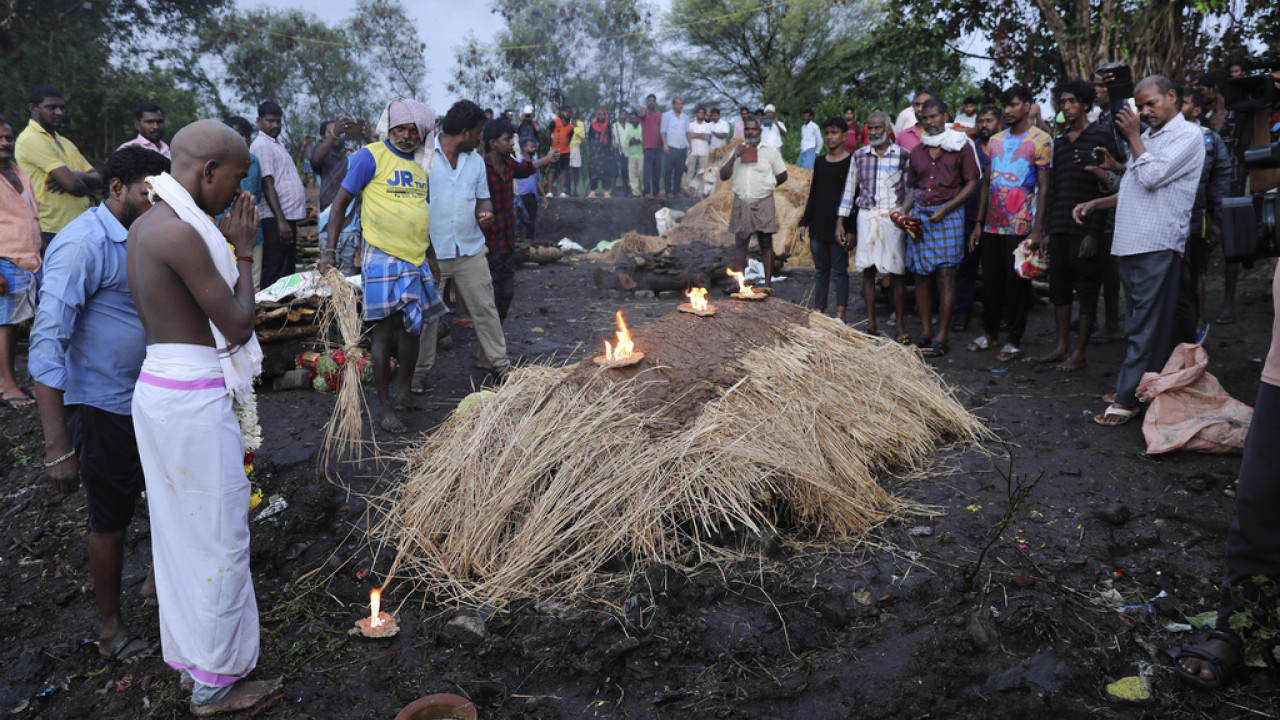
(771,128)
(699,146)
(719,130)
(810,140)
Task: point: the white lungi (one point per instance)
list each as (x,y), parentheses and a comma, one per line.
(881,244)
(198,497)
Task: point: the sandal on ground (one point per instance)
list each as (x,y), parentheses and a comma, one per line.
(935,350)
(1225,319)
(19,400)
(979,344)
(1102,337)
(1115,416)
(924,341)
(117,652)
(464,323)
(1009,352)
(1221,670)
(903,338)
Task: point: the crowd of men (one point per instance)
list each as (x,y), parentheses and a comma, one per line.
(143,352)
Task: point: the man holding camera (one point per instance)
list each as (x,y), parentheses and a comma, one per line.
(1153,213)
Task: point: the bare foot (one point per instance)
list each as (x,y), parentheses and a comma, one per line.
(1058,355)
(243,695)
(391,422)
(1073,363)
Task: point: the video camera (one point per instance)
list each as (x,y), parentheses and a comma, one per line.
(1258,90)
(1249,224)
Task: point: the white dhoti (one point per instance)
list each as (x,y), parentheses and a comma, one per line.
(198,497)
(881,244)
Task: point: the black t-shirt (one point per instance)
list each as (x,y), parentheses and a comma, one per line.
(332,171)
(821,210)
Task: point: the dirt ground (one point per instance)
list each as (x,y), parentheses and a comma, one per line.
(880,629)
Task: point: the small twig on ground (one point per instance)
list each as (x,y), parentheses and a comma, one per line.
(1017,490)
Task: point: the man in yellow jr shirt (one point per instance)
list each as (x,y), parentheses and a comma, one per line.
(400,295)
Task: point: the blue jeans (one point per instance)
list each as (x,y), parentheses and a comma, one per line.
(830,260)
(806,158)
(652,171)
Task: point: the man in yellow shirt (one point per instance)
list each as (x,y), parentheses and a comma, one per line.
(62,179)
(400,296)
(575,151)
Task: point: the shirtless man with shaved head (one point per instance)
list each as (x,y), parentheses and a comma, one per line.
(192,286)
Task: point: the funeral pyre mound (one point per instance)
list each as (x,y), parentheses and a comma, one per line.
(763,418)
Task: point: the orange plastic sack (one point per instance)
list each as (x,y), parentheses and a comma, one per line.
(1187,408)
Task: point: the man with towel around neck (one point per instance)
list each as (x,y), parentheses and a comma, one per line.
(192,287)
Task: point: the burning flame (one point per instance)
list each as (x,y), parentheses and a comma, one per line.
(375,600)
(625,346)
(743,288)
(698,299)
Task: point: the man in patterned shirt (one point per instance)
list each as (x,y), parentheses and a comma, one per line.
(500,237)
(1153,214)
(284,200)
(877,185)
(1011,208)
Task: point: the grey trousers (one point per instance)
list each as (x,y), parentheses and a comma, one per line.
(471,273)
(1157,312)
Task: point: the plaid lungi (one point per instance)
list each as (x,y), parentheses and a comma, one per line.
(942,244)
(19,305)
(393,285)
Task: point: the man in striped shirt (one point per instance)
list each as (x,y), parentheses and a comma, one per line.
(283,202)
(1153,213)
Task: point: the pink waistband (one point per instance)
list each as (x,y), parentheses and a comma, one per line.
(170,384)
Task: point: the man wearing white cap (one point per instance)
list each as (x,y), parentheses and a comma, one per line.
(528,129)
(400,297)
(771,128)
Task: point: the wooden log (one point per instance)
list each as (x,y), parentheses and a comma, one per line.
(291,332)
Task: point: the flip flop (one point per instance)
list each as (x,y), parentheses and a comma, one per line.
(19,400)
(1225,319)
(903,338)
(979,344)
(1103,337)
(1124,415)
(117,650)
(1009,353)
(464,322)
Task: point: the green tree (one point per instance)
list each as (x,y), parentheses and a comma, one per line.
(475,73)
(292,57)
(391,48)
(543,46)
(91,50)
(755,54)
(626,54)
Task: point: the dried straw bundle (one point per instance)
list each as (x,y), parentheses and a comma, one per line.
(344,435)
(531,491)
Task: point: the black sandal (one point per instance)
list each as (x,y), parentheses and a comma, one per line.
(1221,670)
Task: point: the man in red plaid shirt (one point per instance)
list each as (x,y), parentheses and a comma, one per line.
(500,238)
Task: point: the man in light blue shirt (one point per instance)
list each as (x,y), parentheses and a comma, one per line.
(460,207)
(87,347)
(675,145)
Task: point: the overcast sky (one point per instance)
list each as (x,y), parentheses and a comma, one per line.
(441,37)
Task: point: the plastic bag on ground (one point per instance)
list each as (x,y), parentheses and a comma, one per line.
(666,219)
(755,272)
(1188,409)
(569,246)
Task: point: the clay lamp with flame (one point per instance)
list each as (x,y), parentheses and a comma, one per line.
(745,291)
(697,304)
(624,353)
(379,624)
